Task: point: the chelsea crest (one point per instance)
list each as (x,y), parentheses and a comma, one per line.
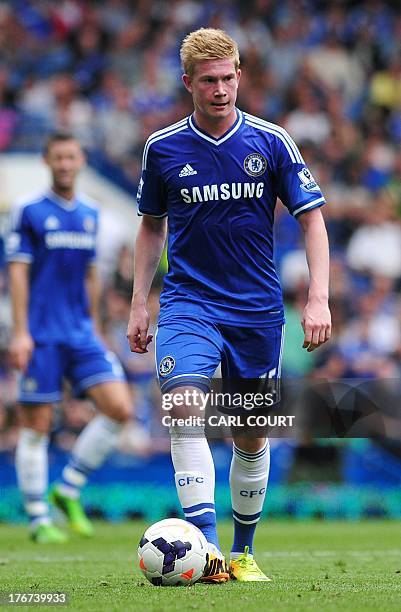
(255,164)
(166,365)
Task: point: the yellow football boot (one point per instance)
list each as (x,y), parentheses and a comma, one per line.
(245,569)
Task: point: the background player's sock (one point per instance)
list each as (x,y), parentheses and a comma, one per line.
(32,473)
(249,473)
(194,479)
(92,447)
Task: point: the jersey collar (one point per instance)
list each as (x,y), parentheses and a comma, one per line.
(56,199)
(226,136)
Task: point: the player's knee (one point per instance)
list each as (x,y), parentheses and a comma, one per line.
(119,410)
(113,400)
(248,444)
(124,413)
(185,402)
(35,417)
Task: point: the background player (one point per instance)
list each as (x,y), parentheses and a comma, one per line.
(54,287)
(217,175)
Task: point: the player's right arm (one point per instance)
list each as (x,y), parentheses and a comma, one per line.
(148,250)
(152,205)
(21,345)
(20,252)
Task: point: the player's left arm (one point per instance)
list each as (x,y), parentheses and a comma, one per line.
(93,288)
(316,318)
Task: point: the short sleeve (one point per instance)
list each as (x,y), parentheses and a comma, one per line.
(296,187)
(151,196)
(20,239)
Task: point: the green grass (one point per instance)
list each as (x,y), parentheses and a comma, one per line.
(314,566)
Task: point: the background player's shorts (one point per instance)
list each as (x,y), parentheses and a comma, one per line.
(84,365)
(188,352)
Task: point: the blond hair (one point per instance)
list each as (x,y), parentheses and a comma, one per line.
(205,44)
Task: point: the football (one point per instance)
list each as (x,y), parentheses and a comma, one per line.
(172,552)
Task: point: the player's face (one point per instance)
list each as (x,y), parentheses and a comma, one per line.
(214,87)
(65,159)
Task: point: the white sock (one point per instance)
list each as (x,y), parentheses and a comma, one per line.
(31,464)
(90,450)
(195,479)
(249,473)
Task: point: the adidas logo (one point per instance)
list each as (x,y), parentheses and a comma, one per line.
(52,223)
(187,171)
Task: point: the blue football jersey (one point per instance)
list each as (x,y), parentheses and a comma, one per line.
(219,196)
(58,239)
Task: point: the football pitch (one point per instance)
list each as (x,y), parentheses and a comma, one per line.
(315,565)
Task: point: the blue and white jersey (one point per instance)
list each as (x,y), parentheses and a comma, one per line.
(219,196)
(58,239)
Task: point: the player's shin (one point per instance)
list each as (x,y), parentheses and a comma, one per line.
(90,450)
(92,447)
(248,481)
(32,472)
(195,478)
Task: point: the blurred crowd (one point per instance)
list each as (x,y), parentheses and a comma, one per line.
(329,72)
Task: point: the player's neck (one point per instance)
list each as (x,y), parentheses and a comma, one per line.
(66,194)
(215,127)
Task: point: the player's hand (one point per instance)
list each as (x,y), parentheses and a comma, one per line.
(20,351)
(137,332)
(316,323)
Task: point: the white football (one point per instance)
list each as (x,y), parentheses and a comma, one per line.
(172,552)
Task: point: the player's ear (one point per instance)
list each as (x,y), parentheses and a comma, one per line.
(46,155)
(187,82)
(81,155)
(238,74)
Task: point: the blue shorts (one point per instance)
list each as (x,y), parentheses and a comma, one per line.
(83,365)
(188,351)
